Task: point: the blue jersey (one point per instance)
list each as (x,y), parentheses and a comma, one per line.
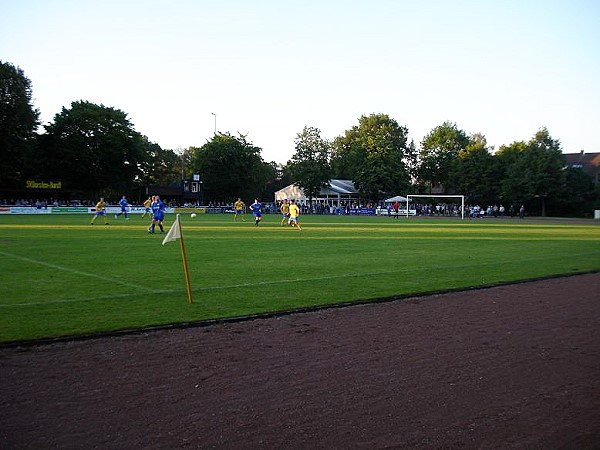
(123,203)
(256,207)
(158,210)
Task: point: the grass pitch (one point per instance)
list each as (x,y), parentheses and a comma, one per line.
(59,276)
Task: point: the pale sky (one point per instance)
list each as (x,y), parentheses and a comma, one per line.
(268,68)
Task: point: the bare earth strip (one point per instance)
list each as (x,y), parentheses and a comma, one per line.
(507,367)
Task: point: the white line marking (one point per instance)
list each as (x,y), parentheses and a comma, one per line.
(241,285)
(75,271)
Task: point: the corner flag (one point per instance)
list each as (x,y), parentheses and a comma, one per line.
(174,234)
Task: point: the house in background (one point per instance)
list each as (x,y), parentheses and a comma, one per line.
(588,162)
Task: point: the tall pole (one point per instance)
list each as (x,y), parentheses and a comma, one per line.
(181,150)
(215,123)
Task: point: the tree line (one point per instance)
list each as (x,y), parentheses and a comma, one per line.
(95,149)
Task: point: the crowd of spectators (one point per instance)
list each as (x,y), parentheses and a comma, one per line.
(317,207)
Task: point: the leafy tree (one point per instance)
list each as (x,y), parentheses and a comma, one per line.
(231,167)
(279,177)
(309,166)
(535,172)
(439,149)
(18,122)
(411,160)
(506,158)
(374,155)
(579,197)
(346,158)
(94,148)
(163,167)
(474,172)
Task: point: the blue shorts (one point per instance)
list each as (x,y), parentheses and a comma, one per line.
(239,211)
(293,220)
(100,213)
(285,215)
(257,214)
(159,217)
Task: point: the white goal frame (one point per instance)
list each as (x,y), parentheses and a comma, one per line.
(462,201)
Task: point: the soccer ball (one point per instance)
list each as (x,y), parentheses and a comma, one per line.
(193,215)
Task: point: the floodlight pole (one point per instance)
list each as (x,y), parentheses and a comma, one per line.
(215,123)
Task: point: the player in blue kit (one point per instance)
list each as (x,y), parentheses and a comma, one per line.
(124,205)
(158,214)
(256,207)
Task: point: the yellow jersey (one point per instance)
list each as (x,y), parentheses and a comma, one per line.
(100,206)
(285,208)
(294,211)
(238,206)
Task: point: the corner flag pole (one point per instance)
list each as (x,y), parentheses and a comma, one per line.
(175,233)
(186,270)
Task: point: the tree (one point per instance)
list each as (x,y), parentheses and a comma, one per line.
(374,155)
(511,188)
(18,123)
(94,148)
(411,161)
(279,178)
(163,167)
(309,166)
(579,197)
(231,167)
(535,170)
(439,149)
(474,173)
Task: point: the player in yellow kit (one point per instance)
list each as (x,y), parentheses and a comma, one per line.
(285,211)
(294,213)
(100,211)
(238,210)
(147,209)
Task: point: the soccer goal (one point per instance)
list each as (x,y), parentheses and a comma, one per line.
(462,201)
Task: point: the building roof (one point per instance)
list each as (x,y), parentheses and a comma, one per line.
(333,188)
(397,198)
(588,162)
(340,187)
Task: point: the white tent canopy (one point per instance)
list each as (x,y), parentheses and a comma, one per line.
(397,198)
(336,192)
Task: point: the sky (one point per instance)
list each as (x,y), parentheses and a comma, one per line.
(268,68)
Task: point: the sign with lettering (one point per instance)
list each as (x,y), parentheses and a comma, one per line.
(30,184)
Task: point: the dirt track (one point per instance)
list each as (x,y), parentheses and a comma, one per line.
(507,367)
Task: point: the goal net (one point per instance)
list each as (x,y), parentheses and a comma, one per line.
(461,197)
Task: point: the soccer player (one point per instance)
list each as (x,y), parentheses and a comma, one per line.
(100,211)
(158,214)
(285,211)
(238,210)
(256,207)
(147,209)
(294,213)
(124,206)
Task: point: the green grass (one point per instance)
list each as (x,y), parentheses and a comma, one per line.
(59,276)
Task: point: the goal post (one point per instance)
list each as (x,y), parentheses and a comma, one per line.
(462,201)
